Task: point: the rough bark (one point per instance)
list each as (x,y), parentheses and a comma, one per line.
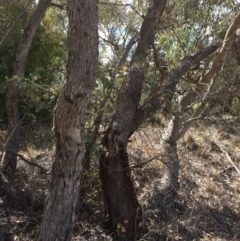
(59,214)
(123,209)
(12,145)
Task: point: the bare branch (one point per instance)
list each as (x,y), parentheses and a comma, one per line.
(179,41)
(148,161)
(217,64)
(229,158)
(123,5)
(60,6)
(110,42)
(15,21)
(31,163)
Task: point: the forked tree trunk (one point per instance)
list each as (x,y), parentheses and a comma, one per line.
(59,214)
(123,209)
(12,145)
(98,120)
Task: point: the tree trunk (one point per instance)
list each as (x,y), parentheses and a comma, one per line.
(170,159)
(179,124)
(123,209)
(12,145)
(98,120)
(59,214)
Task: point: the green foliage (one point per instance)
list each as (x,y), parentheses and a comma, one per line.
(186,26)
(235,106)
(45,68)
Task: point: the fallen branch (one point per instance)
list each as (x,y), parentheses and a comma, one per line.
(31,163)
(2,149)
(146,162)
(229,158)
(158,158)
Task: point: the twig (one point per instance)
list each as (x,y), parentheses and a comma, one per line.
(31,163)
(124,5)
(2,149)
(110,42)
(14,23)
(229,158)
(148,161)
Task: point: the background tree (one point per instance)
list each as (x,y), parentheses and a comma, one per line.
(45,69)
(12,144)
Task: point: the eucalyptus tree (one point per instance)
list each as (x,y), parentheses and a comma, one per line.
(42,67)
(14,15)
(195,79)
(122,204)
(12,144)
(185,69)
(58,217)
(118,34)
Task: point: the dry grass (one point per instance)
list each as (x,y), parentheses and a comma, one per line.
(206,207)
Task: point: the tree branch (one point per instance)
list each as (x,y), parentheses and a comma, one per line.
(60,6)
(98,120)
(217,64)
(14,23)
(157,99)
(124,5)
(31,163)
(229,158)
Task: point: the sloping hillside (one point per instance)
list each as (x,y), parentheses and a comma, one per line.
(206,207)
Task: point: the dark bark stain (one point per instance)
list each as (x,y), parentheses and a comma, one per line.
(122,207)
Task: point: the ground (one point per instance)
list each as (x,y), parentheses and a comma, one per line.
(206,206)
